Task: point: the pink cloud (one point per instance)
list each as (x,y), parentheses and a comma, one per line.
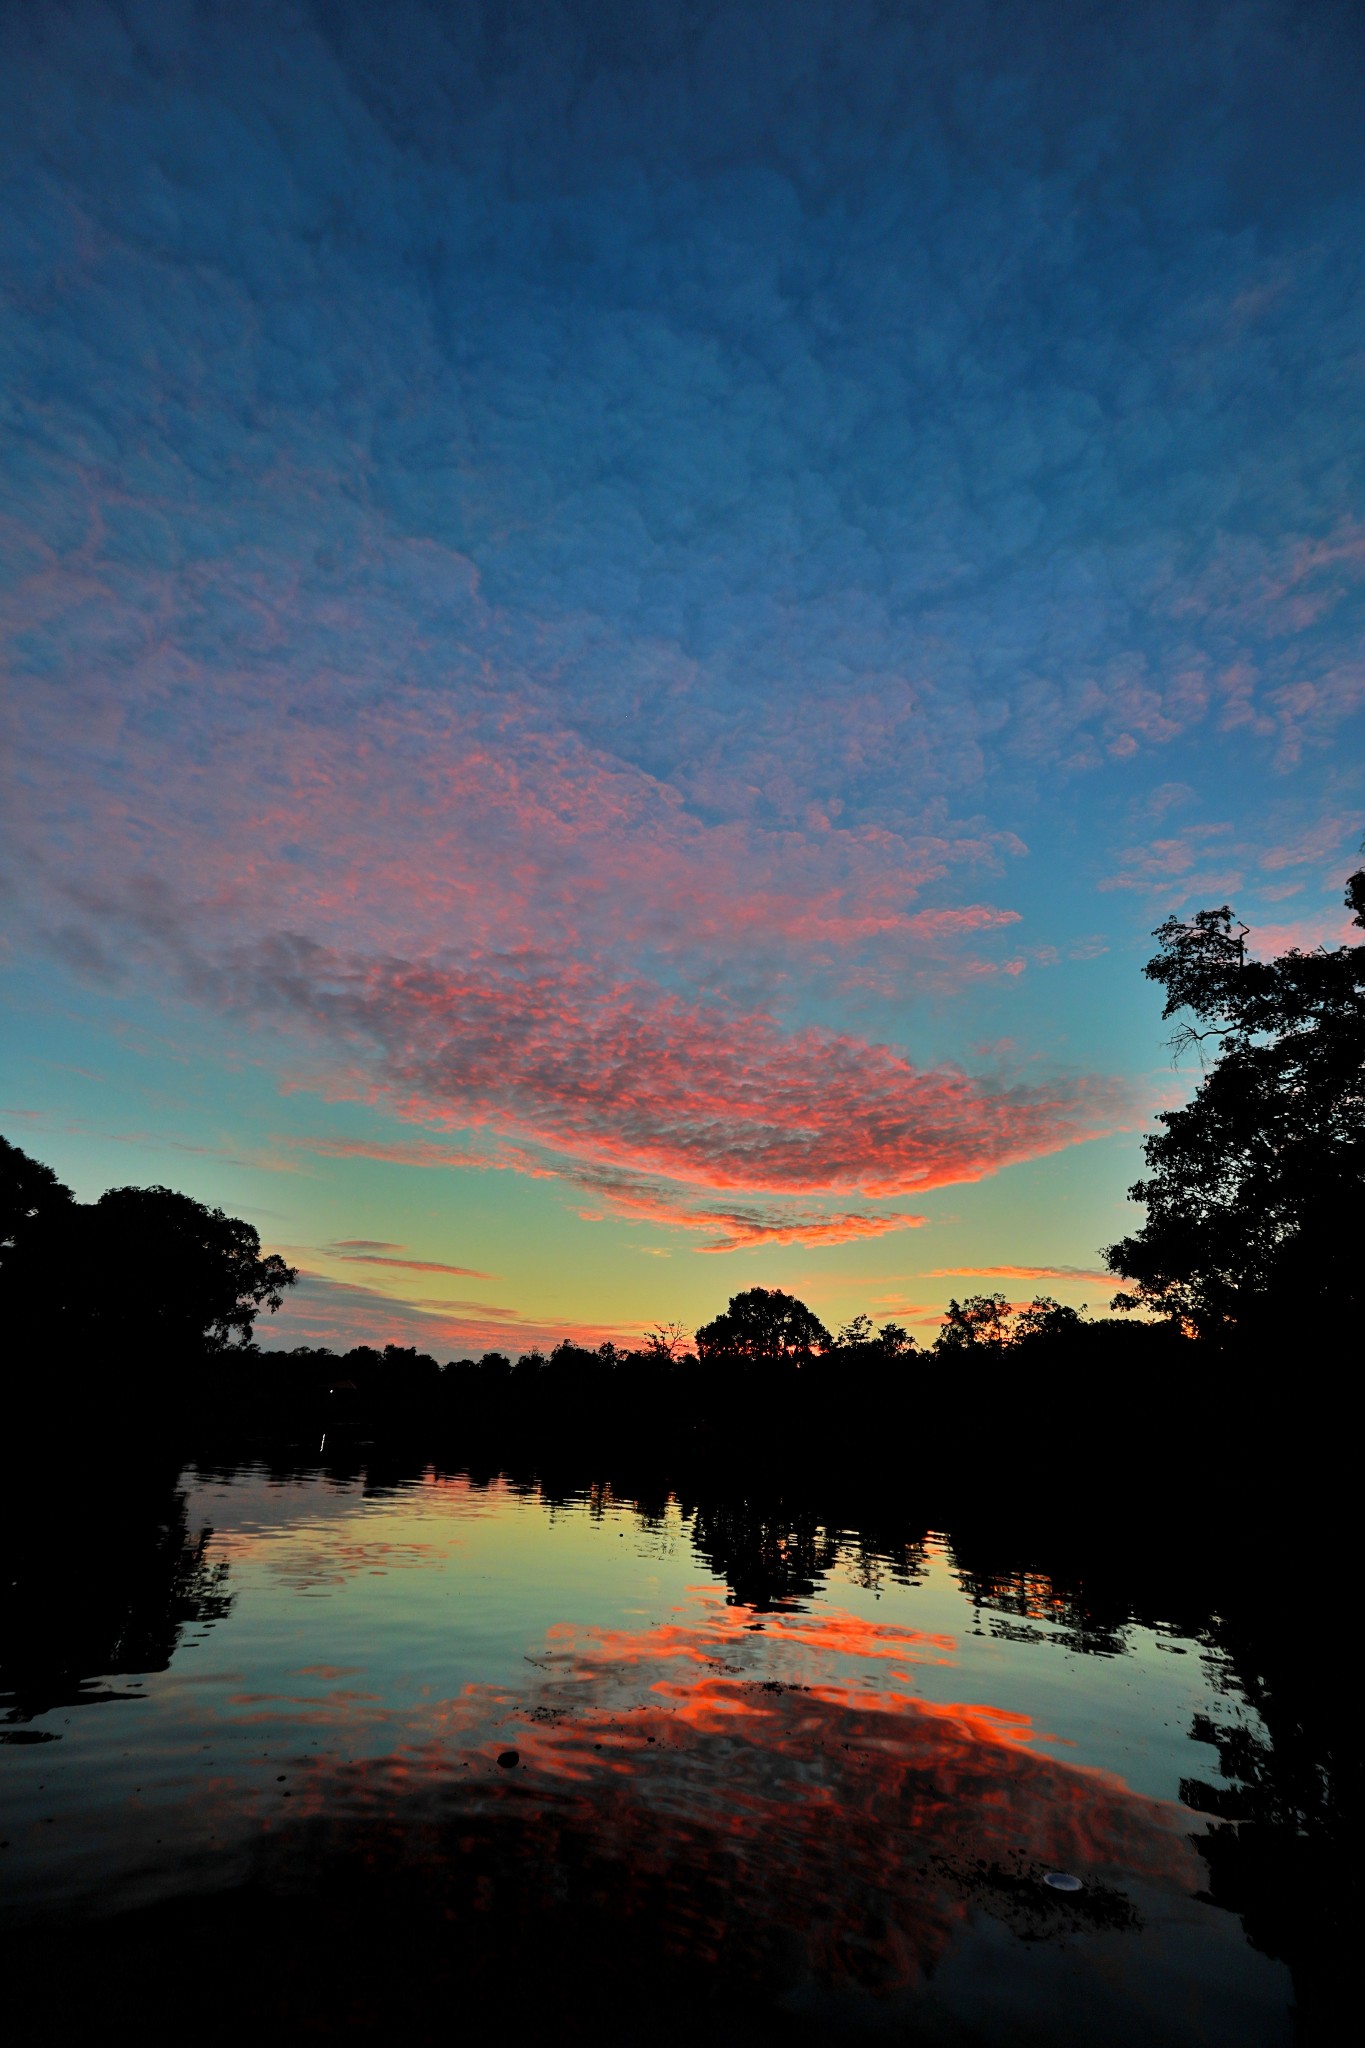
(622,1073)
(738,1228)
(1327,928)
(1280,585)
(411,824)
(437,895)
(1274,594)
(1178,864)
(1317,843)
(742,1232)
(1181,870)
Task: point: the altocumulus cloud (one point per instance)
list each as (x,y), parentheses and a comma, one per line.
(620,1073)
(547,546)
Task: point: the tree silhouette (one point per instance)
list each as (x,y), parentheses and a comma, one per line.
(29,1191)
(1255,1196)
(208,1278)
(667,1342)
(1047,1321)
(858,1340)
(143,1271)
(981,1322)
(763,1325)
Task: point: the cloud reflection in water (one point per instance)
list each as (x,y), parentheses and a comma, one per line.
(822,1809)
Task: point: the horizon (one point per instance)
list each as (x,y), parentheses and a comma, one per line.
(619,625)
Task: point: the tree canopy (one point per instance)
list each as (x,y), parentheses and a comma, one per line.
(28,1190)
(142,1270)
(763,1323)
(990,1322)
(1255,1193)
(860,1338)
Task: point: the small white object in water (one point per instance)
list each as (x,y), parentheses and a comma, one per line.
(1063,1881)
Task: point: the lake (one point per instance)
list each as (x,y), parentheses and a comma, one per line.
(354,1749)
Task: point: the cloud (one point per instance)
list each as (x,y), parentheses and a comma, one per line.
(427,1154)
(1324,840)
(1187,864)
(371,829)
(1218,861)
(336,1313)
(740,1228)
(1326,928)
(1023,1273)
(895,1307)
(581,439)
(411,1265)
(625,1074)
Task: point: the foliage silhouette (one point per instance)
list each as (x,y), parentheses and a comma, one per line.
(989,1324)
(981,1322)
(143,1273)
(858,1339)
(29,1191)
(763,1325)
(1255,1196)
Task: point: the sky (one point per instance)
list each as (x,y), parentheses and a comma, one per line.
(617,622)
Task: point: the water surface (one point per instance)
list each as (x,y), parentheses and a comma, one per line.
(717,1752)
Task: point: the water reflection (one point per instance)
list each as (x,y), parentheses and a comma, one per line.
(104,1579)
(801,1832)
(761,1794)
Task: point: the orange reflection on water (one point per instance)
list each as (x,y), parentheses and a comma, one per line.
(860,1821)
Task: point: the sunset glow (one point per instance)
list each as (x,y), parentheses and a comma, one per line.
(617,629)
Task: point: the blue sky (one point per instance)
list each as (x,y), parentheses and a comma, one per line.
(617,622)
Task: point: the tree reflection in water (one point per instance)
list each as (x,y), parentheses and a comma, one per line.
(1285,1805)
(104,1579)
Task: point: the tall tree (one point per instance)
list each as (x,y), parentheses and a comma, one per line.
(142,1273)
(179,1273)
(763,1324)
(1255,1193)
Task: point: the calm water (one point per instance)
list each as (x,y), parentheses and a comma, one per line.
(823,1770)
